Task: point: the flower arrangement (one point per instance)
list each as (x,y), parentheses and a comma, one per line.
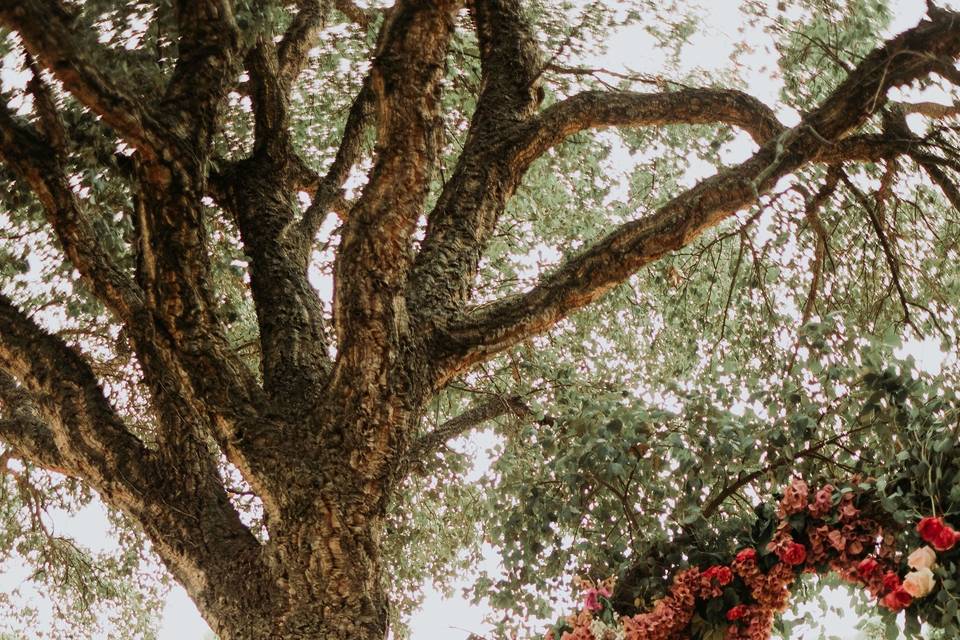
(824,531)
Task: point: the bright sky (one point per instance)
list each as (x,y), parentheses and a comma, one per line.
(455,618)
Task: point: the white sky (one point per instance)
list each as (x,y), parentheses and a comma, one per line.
(455,618)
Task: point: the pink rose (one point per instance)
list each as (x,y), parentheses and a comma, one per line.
(919,583)
(922,558)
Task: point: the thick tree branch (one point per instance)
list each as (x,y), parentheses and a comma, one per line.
(180,339)
(178,500)
(510,62)
(374,257)
(930,109)
(171,273)
(611,260)
(293,340)
(259,193)
(493,165)
(270,99)
(472,200)
(327,191)
(298,39)
(374,340)
(209,58)
(22,429)
(46,29)
(84,425)
(601,109)
(39,164)
(490,169)
(361,17)
(38,161)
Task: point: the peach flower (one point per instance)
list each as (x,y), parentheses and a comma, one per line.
(919,583)
(922,558)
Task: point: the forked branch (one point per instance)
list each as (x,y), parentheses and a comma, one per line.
(490,329)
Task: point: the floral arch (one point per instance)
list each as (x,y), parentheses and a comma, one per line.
(858,531)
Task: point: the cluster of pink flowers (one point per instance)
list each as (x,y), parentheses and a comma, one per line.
(591,599)
(835,536)
(769,591)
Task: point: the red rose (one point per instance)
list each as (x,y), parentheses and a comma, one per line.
(737,612)
(726,576)
(930,528)
(891,581)
(867,567)
(897,600)
(794,554)
(944,540)
(747,555)
(723,575)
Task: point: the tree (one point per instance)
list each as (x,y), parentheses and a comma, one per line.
(183,158)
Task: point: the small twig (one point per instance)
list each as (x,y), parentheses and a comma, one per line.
(888,252)
(743,481)
(811,212)
(594,71)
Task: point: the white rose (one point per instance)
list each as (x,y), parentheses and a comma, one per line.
(922,558)
(919,583)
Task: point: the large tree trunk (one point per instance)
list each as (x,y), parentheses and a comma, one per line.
(333,589)
(325,577)
(335,586)
(324,554)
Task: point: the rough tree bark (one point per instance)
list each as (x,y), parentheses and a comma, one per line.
(325,439)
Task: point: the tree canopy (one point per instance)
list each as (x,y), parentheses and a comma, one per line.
(267,267)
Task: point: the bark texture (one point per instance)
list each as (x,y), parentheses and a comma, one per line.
(328,429)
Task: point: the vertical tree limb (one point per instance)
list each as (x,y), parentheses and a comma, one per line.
(472,201)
